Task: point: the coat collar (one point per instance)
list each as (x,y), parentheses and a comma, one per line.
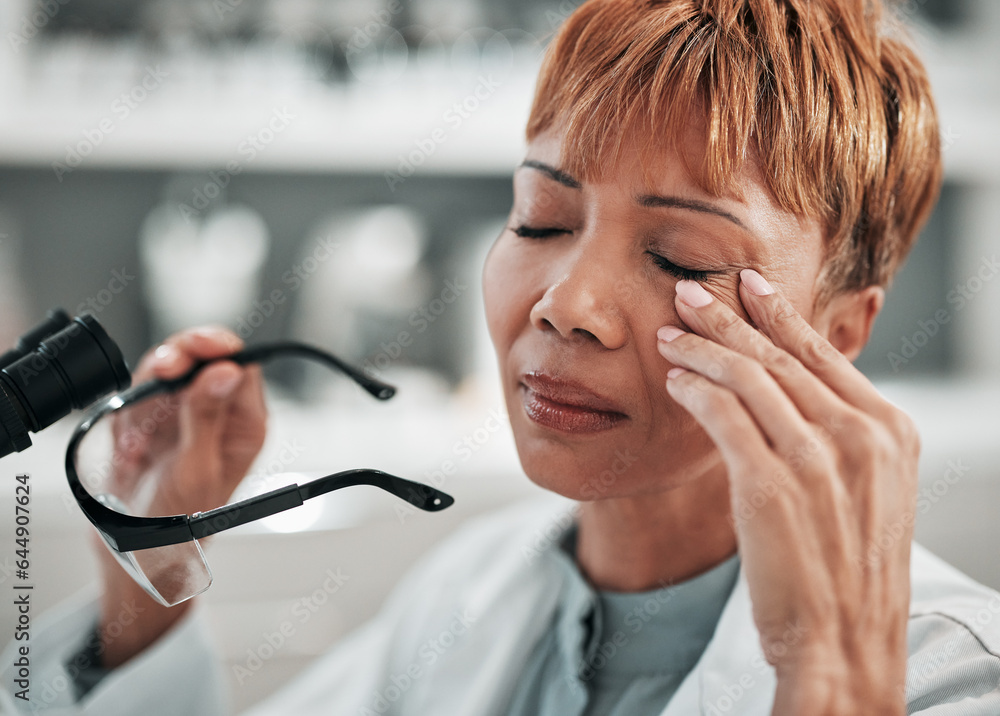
(515,603)
(515,597)
(732,675)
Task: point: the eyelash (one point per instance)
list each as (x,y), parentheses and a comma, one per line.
(685,274)
(529,232)
(680,272)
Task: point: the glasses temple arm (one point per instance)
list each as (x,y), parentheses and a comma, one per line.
(424,497)
(261,353)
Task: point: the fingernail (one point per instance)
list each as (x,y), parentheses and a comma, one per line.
(755,283)
(669,333)
(674,372)
(693,294)
(166,354)
(225,384)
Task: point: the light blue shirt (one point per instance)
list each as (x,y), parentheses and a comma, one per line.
(614,653)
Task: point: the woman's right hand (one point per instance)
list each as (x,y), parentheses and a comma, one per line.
(197,445)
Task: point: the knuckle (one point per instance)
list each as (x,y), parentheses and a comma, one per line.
(862,436)
(853,423)
(819,350)
(728,323)
(810,446)
(784,314)
(781,362)
(725,363)
(904,429)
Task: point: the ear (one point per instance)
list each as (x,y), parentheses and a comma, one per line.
(847,319)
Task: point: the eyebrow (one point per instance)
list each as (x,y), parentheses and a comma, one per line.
(649,201)
(560,176)
(654,201)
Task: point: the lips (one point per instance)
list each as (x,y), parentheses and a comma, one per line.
(567,406)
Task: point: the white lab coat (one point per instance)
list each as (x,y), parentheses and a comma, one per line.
(452,639)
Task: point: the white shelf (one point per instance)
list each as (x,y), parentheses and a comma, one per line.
(202,118)
(198,117)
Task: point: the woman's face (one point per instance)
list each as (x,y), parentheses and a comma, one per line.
(575,289)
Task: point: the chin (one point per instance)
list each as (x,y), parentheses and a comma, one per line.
(604,469)
(586,475)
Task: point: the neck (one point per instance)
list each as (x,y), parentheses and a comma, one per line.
(635,544)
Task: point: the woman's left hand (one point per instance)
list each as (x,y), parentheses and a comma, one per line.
(823,478)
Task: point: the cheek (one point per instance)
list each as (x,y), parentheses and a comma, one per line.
(506,293)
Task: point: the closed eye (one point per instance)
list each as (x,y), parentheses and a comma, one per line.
(530,232)
(685,274)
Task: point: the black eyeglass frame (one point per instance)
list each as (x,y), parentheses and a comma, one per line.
(127,533)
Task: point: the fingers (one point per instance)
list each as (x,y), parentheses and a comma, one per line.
(780,392)
(779,320)
(207,402)
(248,398)
(179,352)
(246,427)
(204,411)
(781,422)
(194,420)
(790,360)
(170,359)
(719,412)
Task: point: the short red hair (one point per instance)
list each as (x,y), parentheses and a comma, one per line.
(826,95)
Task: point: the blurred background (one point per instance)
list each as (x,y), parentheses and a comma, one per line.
(334,171)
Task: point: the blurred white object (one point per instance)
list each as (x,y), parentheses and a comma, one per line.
(201,271)
(359,266)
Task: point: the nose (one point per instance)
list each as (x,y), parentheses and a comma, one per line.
(582,302)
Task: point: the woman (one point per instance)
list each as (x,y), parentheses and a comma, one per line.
(715,195)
